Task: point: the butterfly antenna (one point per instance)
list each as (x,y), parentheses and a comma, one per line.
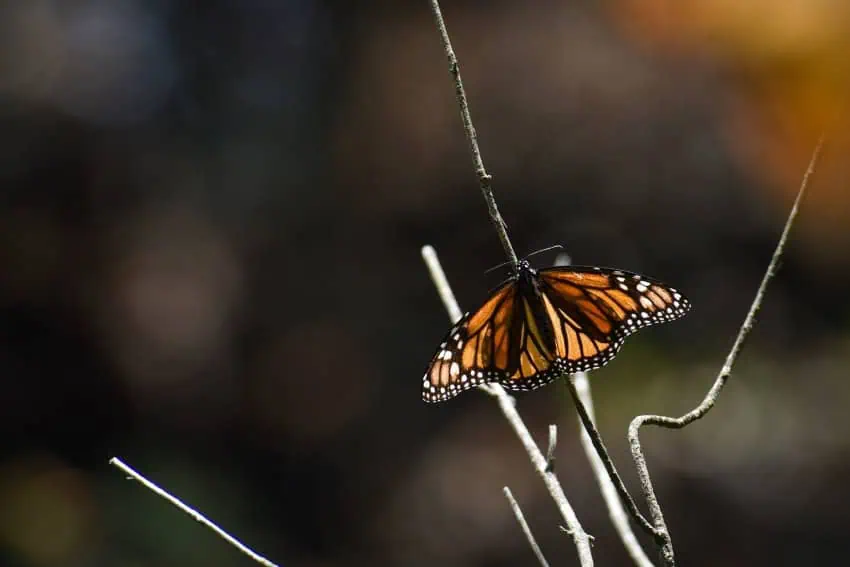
(556,246)
(502,265)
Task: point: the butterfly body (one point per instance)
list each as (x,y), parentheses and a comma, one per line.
(540,325)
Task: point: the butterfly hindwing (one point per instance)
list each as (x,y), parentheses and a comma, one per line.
(535,348)
(580,345)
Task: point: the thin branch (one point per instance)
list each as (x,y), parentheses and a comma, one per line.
(710,399)
(616,512)
(550,451)
(602,452)
(580,389)
(508,407)
(197,516)
(438,276)
(483,177)
(524,525)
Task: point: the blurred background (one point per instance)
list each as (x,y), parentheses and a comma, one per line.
(210,222)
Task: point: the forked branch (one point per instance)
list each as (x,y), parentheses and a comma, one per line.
(508,407)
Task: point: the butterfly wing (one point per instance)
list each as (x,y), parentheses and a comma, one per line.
(593,310)
(576,319)
(480,348)
(535,346)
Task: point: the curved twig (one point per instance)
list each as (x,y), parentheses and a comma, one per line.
(710,399)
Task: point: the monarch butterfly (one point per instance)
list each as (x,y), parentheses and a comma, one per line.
(540,325)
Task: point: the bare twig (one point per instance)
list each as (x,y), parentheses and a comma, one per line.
(607,463)
(616,512)
(710,399)
(581,390)
(483,177)
(550,451)
(506,403)
(524,525)
(190,511)
(438,276)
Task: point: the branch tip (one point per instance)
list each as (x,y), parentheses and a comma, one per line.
(194,514)
(525,527)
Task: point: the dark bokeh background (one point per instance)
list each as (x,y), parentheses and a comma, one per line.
(210,223)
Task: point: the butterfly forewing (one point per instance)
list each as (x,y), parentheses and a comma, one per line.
(629,301)
(476,350)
